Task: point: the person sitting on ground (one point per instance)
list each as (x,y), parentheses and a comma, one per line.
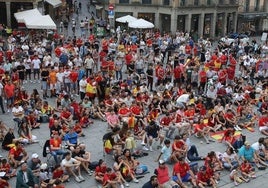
(192,152)
(182,173)
(18,113)
(58,173)
(204,179)
(82,156)
(263,125)
(237,178)
(162,173)
(100,171)
(34,164)
(9,139)
(203,130)
(44,179)
(231,140)
(26,134)
(247,170)
(230,159)
(78,129)
(166,152)
(111,179)
(179,148)
(112,120)
(31,119)
(72,167)
(248,153)
(3,130)
(153,183)
(25,177)
(17,155)
(66,116)
(71,139)
(4,183)
(6,168)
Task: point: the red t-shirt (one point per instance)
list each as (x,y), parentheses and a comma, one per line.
(65,114)
(108,177)
(16,152)
(165,121)
(203,76)
(262,121)
(202,177)
(9,90)
(181,168)
(73,76)
(55,142)
(162,175)
(177,72)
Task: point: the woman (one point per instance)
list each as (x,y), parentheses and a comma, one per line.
(212,160)
(26,134)
(230,159)
(220,120)
(232,141)
(129,160)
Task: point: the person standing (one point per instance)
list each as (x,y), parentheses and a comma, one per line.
(9,91)
(82,87)
(1,98)
(44,76)
(36,63)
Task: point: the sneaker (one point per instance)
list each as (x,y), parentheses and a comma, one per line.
(145,148)
(122,186)
(136,180)
(143,143)
(81,178)
(89,172)
(151,148)
(8,110)
(236,183)
(77,179)
(126,184)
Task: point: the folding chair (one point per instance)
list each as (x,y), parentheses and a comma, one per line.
(47,153)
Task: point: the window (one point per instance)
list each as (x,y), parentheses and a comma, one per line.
(123,1)
(166,2)
(256,5)
(196,2)
(208,2)
(147,2)
(221,2)
(182,3)
(247,6)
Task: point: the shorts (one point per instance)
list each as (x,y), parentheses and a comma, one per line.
(263,128)
(44,85)
(185,178)
(36,71)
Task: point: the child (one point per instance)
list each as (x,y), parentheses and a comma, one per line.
(59,174)
(5,167)
(78,129)
(247,170)
(234,176)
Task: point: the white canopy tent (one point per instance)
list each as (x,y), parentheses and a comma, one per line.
(21,16)
(54,3)
(126,19)
(43,22)
(141,24)
(33,19)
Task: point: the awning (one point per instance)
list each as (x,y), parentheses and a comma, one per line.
(98,7)
(20,16)
(54,3)
(252,15)
(33,19)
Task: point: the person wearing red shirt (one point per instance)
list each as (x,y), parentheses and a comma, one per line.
(162,173)
(17,155)
(202,79)
(222,76)
(177,73)
(167,127)
(182,173)
(179,147)
(160,74)
(263,125)
(231,73)
(111,179)
(204,179)
(73,78)
(230,118)
(128,59)
(55,146)
(105,45)
(102,55)
(66,115)
(9,90)
(100,171)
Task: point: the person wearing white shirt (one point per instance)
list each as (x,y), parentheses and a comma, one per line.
(82,87)
(67,81)
(259,147)
(36,63)
(60,80)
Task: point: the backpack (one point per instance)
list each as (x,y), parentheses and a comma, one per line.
(141,169)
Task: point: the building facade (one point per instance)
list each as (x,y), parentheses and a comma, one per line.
(253,16)
(206,18)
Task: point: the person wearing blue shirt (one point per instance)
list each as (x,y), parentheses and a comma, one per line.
(247,152)
(71,139)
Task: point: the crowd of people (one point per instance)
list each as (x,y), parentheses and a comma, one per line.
(152,90)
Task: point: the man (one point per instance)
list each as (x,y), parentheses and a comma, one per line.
(113,120)
(166,152)
(247,153)
(70,165)
(163,178)
(44,77)
(72,140)
(204,179)
(182,173)
(25,178)
(9,91)
(55,146)
(18,113)
(153,183)
(82,156)
(82,87)
(36,63)
(152,131)
(34,164)
(263,125)
(17,155)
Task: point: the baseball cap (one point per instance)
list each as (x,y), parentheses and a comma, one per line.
(161,161)
(247,143)
(43,166)
(35,156)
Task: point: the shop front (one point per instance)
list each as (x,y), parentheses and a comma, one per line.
(181,22)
